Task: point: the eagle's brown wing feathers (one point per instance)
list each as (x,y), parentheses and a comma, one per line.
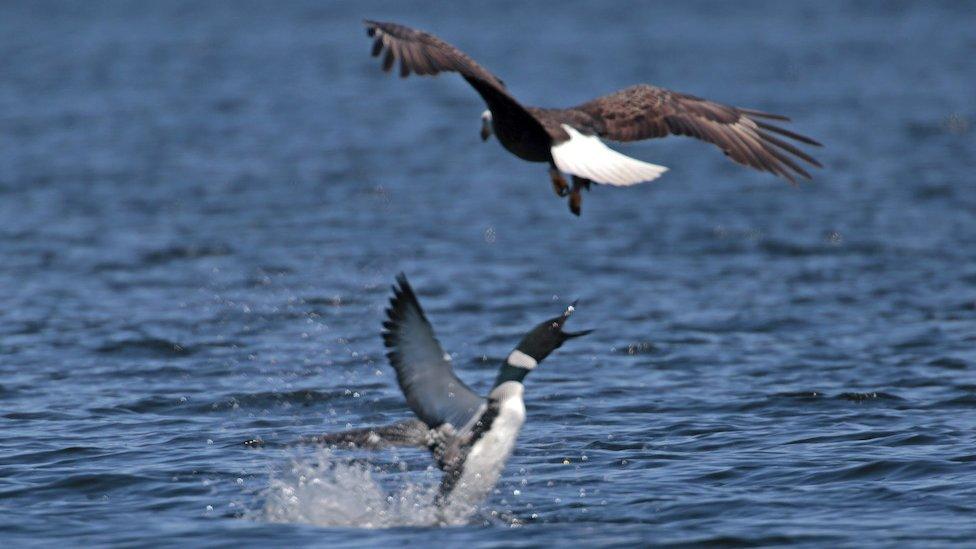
(423,53)
(643,112)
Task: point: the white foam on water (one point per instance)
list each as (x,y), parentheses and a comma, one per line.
(325,491)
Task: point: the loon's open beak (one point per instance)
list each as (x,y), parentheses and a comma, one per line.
(562,320)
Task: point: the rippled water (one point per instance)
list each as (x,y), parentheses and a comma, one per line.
(202,207)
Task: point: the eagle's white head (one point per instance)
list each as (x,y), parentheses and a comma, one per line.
(486,125)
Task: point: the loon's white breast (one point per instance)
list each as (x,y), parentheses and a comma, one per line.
(486,459)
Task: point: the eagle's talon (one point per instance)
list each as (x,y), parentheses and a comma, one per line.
(575,197)
(575,200)
(559,183)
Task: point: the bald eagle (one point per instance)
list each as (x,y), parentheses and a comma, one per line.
(571,140)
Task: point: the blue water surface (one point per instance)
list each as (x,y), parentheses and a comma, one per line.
(203,204)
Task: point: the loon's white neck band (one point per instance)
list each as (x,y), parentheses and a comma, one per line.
(521,360)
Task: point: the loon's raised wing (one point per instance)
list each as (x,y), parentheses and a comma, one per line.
(424,370)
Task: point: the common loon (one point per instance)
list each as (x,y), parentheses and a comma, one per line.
(470,437)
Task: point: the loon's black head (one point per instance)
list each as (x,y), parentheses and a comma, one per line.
(548,336)
(536,345)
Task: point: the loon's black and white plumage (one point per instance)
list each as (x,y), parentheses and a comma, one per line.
(470,436)
(570,139)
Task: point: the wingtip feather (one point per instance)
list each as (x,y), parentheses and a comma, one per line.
(792,135)
(767,115)
(403,285)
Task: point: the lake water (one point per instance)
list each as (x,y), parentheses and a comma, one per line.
(202,207)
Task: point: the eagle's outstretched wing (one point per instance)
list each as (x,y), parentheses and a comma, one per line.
(643,112)
(425,54)
(423,369)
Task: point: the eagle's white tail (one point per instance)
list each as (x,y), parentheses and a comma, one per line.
(588,157)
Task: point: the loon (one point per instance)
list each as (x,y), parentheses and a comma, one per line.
(569,140)
(470,437)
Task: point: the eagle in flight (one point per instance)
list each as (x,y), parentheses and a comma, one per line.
(571,140)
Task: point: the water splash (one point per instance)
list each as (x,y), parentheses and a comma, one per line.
(325,491)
